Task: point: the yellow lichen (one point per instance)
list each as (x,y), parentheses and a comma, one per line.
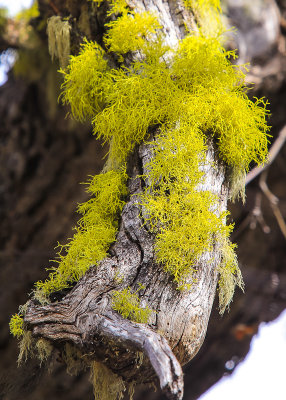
(128,305)
(16,325)
(94,234)
(130,32)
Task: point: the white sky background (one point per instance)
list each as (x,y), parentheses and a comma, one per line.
(262,375)
(14,6)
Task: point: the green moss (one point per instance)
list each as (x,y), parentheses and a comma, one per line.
(43,349)
(128,305)
(73,358)
(94,234)
(230,275)
(25,347)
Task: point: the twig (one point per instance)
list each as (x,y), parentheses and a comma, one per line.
(273,152)
(257,216)
(273,200)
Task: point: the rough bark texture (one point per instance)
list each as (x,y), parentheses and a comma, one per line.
(44,159)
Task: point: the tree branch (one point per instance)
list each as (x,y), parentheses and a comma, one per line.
(273,152)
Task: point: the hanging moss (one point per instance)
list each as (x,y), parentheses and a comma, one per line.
(106,384)
(59,39)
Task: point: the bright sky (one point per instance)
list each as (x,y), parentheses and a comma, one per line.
(262,375)
(14,6)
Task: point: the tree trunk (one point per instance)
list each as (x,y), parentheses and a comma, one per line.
(85,318)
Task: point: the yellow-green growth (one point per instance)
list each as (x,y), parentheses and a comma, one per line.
(94,234)
(85,81)
(106,385)
(230,274)
(200,82)
(130,32)
(192,94)
(176,207)
(59,39)
(208,16)
(128,305)
(25,347)
(74,359)
(43,349)
(16,325)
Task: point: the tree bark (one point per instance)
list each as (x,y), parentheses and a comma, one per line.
(84,317)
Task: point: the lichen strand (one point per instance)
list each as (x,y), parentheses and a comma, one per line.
(203,96)
(94,234)
(59,39)
(128,305)
(106,384)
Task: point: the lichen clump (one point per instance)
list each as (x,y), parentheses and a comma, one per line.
(128,305)
(190,95)
(16,325)
(95,232)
